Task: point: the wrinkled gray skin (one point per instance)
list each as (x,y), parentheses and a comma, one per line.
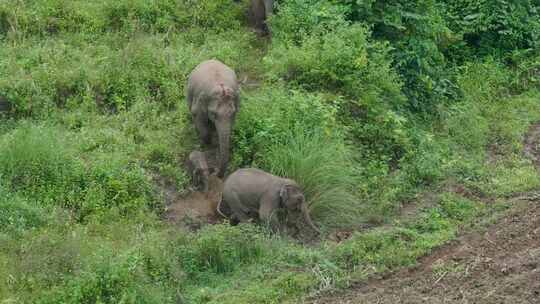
(197,167)
(213,99)
(260,11)
(253,193)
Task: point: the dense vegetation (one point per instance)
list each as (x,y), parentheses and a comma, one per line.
(368,104)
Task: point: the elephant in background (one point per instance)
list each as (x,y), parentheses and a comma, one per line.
(5,105)
(259,12)
(252,193)
(213,100)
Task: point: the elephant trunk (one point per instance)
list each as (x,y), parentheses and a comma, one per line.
(224,134)
(205,182)
(308,218)
(201,180)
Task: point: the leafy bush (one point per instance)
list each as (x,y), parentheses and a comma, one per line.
(297,19)
(343,60)
(418,35)
(493,27)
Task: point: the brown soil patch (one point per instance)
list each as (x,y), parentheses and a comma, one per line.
(196,208)
(501,265)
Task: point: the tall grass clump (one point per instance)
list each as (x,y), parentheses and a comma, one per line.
(111,277)
(268,116)
(296,134)
(322,165)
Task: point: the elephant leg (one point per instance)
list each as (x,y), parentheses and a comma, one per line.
(268,211)
(203,128)
(239,214)
(268,9)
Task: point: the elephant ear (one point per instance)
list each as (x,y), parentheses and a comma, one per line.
(284,194)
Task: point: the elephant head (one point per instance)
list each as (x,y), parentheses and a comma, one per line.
(222,111)
(293,199)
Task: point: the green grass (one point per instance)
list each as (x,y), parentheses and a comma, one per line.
(98,118)
(324,167)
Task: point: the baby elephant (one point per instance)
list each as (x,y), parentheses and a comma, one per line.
(197,167)
(251,192)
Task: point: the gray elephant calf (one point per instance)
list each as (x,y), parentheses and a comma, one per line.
(197,168)
(253,193)
(213,99)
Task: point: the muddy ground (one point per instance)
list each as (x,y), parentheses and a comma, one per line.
(498,265)
(196,208)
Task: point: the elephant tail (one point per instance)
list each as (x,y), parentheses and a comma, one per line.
(218,209)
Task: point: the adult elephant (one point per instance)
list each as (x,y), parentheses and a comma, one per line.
(252,193)
(213,99)
(259,12)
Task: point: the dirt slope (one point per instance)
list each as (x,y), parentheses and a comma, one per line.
(500,265)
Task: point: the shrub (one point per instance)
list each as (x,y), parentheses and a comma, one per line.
(493,27)
(296,19)
(416,35)
(342,60)
(116,186)
(269,115)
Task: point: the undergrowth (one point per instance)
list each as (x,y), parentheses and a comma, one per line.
(367,104)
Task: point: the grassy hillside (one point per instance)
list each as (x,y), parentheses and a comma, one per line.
(372,106)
